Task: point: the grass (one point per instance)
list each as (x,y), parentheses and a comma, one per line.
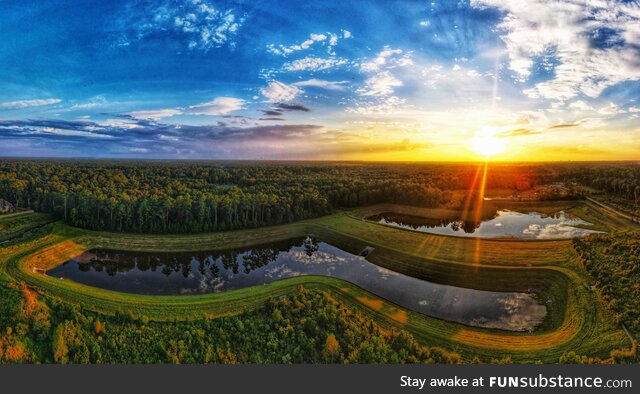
(601,218)
(14,226)
(577,320)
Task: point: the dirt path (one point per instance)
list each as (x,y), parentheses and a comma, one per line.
(628,334)
(10,215)
(605,206)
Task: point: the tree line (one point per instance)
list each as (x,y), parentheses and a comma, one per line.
(620,179)
(182,197)
(178,197)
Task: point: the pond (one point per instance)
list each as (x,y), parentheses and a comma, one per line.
(505,224)
(189,273)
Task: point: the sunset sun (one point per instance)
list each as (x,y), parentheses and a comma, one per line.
(487,144)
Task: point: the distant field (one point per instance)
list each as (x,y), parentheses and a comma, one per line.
(578,321)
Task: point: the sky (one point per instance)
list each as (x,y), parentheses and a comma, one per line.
(321,80)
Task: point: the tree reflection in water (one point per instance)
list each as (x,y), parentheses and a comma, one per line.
(417,222)
(251,260)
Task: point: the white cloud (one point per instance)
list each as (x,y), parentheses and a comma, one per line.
(138,150)
(611,109)
(218,106)
(381,84)
(634,109)
(383,58)
(313,64)
(155,114)
(71,133)
(581,106)
(391,105)
(567,31)
(278,92)
(328,40)
(473,73)
(205,25)
(120,123)
(28,103)
(319,83)
(164,137)
(318,37)
(198,24)
(425,23)
(94,102)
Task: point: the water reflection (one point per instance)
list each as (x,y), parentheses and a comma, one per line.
(185,273)
(505,223)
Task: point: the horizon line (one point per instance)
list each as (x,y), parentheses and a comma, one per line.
(81,158)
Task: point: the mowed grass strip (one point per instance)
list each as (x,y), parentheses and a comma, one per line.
(13,226)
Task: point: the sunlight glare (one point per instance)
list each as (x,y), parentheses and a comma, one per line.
(487,144)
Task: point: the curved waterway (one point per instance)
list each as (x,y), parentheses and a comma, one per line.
(505,224)
(211,272)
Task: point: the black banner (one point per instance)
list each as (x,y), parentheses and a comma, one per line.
(320,378)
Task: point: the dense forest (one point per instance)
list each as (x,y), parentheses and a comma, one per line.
(621,179)
(179,197)
(306,327)
(191,197)
(614,262)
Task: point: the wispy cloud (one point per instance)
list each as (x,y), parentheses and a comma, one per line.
(383,81)
(326,40)
(277,92)
(517,133)
(28,103)
(94,102)
(155,114)
(284,50)
(381,84)
(52,128)
(218,106)
(314,64)
(322,84)
(388,57)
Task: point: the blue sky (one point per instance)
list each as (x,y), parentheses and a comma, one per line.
(403,80)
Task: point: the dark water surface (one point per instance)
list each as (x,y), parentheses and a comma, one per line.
(210,272)
(505,224)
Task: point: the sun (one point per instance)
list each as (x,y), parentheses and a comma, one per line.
(487,144)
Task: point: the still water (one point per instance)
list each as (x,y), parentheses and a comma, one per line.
(210,272)
(505,224)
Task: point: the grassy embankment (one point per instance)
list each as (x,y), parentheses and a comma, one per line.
(14,226)
(578,321)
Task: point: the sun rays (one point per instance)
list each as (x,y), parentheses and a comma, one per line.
(472,210)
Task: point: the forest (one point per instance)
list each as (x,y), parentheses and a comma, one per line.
(620,179)
(613,260)
(308,326)
(189,197)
